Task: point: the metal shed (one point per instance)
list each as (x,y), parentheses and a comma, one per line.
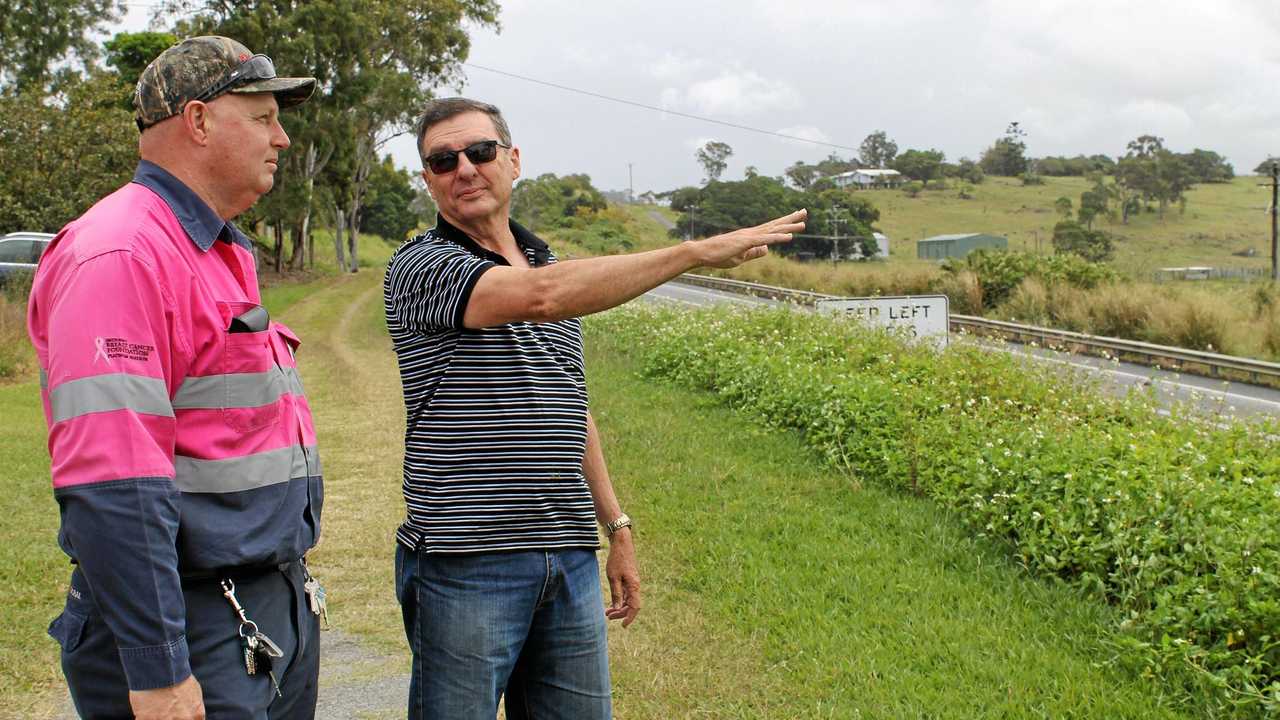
(939,247)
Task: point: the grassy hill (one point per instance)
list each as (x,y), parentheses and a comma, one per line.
(1220,219)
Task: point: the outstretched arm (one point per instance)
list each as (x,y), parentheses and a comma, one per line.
(580,287)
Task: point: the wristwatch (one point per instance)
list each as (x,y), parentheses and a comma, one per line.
(617,524)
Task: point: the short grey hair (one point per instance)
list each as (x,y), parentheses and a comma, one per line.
(439,110)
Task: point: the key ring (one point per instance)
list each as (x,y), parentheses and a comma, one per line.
(251,624)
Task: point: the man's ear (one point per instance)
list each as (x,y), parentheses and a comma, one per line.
(196,119)
(515,162)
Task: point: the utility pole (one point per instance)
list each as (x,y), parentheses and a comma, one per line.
(834,216)
(693,222)
(631,185)
(1275,195)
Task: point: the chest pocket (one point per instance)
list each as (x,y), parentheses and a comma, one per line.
(252,382)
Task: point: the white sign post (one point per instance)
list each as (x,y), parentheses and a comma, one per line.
(924,317)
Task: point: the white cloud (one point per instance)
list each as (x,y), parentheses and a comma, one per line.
(808,132)
(673,66)
(735,94)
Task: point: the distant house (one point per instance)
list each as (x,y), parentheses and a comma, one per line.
(940,247)
(867,178)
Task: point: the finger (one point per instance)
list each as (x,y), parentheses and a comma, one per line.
(787,228)
(634,601)
(771,239)
(797,217)
(617,594)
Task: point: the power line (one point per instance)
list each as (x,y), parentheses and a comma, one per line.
(655,108)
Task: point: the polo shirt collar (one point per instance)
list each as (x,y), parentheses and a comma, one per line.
(199,220)
(531,245)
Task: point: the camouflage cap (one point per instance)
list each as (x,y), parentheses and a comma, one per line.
(202,68)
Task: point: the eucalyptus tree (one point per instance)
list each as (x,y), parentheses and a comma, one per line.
(37,35)
(376,62)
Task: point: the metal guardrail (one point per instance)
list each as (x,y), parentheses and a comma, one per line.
(1259,372)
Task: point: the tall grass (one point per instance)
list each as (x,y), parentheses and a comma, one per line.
(16,354)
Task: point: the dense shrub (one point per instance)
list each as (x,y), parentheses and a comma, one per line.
(1171,519)
(999,271)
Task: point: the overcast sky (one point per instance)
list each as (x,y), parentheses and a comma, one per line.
(1080,76)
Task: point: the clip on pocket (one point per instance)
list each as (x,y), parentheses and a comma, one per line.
(255,319)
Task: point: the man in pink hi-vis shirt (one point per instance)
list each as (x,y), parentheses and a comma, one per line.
(183,452)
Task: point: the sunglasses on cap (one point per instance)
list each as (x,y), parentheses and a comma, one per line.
(258,67)
(479,153)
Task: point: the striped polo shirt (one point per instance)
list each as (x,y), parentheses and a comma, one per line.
(496,417)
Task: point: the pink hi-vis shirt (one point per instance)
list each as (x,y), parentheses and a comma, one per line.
(180,437)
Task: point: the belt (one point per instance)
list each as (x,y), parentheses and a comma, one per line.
(241,572)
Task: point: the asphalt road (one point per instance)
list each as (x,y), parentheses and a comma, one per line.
(1213,397)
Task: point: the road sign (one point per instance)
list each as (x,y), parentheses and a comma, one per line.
(919,316)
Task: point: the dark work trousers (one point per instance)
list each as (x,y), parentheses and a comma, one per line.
(274,599)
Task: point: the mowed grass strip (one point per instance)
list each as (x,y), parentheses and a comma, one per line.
(33,571)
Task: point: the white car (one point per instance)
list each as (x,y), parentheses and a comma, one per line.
(20,251)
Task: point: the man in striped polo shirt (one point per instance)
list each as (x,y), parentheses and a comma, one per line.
(504,477)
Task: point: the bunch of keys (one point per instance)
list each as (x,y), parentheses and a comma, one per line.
(315,596)
(258,649)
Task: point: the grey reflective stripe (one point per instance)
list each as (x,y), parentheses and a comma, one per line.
(104,393)
(44,379)
(247,472)
(237,390)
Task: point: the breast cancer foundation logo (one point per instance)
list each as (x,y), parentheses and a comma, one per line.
(108,349)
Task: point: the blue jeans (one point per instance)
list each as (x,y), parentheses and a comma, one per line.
(527,624)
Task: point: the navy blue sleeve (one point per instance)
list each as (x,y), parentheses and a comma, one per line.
(123,534)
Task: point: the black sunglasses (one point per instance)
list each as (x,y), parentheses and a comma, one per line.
(258,67)
(479,153)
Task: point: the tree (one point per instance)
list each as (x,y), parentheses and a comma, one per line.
(389,210)
(130,53)
(966,170)
(833,164)
(1063,206)
(713,157)
(35,36)
(1153,173)
(1264,167)
(1071,237)
(1007,156)
(62,152)
(548,202)
(877,150)
(802,175)
(847,220)
(1207,166)
(1094,201)
(922,165)
(376,63)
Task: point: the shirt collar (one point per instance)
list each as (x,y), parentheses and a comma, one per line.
(532,246)
(199,220)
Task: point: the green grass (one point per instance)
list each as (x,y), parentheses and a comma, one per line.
(854,601)
(1220,219)
(775,587)
(33,570)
